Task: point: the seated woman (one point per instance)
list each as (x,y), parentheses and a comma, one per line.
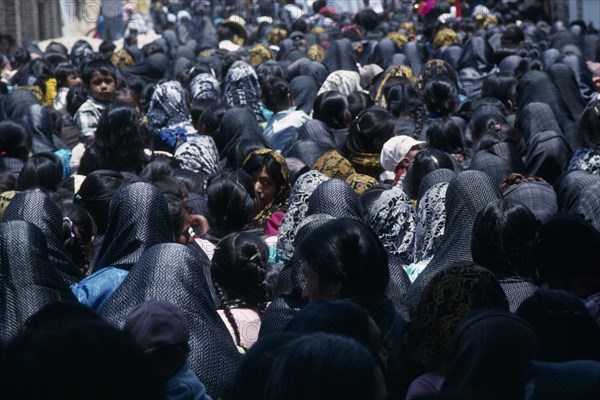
(270,174)
(344,259)
(238,272)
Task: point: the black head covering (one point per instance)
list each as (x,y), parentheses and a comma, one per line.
(534,118)
(589,205)
(174,273)
(563,326)
(550,57)
(152,68)
(340,56)
(490,356)
(17,101)
(336,198)
(565,80)
(495,166)
(570,188)
(318,132)
(583,76)
(29,280)
(237,124)
(304,90)
(138,219)
(415,53)
(452,55)
(315,70)
(37,208)
(466,195)
(42,129)
(383,53)
(548,154)
(539,197)
(477,54)
(433,178)
(307,151)
(256,365)
(565,38)
(537,86)
(510,63)
(568,380)
(397,288)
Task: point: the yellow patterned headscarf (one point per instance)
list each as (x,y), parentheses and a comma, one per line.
(361,183)
(5,199)
(409,27)
(276,36)
(258,54)
(317,30)
(334,165)
(444,37)
(122,59)
(279,202)
(398,71)
(398,39)
(316,53)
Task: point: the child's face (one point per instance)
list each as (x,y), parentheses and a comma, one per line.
(72,80)
(102,87)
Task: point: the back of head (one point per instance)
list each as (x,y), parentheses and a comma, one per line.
(403,98)
(563,326)
(276,93)
(76,96)
(231,201)
(323,366)
(443,134)
(42,170)
(359,101)
(502,236)
(440,96)
(370,130)
(425,161)
(348,251)
(239,267)
(15,140)
(334,110)
(501,86)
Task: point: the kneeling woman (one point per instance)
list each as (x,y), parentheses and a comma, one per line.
(270,174)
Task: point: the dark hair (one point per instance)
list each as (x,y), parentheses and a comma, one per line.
(501,86)
(127,96)
(176,194)
(588,133)
(7,182)
(269,68)
(102,66)
(158,167)
(41,170)
(63,71)
(238,152)
(483,122)
(513,35)
(78,230)
(334,110)
(231,201)
(275,91)
(443,134)
(348,251)
(367,19)
(198,107)
(119,139)
(95,194)
(370,130)
(76,96)
(403,98)
(425,161)
(238,270)
(322,366)
(194,182)
(440,96)
(500,133)
(359,101)
(503,232)
(15,140)
(255,163)
(211,119)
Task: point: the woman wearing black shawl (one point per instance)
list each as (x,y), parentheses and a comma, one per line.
(174,273)
(304,90)
(566,81)
(138,220)
(466,195)
(42,129)
(29,280)
(474,65)
(36,207)
(547,149)
(537,86)
(16,102)
(237,124)
(340,56)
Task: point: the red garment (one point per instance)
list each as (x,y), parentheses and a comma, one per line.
(273,222)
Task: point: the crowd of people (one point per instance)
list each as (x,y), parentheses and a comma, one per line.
(311,205)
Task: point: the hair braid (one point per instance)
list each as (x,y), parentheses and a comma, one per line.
(224,304)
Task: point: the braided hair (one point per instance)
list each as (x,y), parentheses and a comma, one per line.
(238,271)
(78,233)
